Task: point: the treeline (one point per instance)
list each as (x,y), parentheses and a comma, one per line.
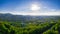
(43,28)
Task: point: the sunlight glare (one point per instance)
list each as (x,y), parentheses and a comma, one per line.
(35,7)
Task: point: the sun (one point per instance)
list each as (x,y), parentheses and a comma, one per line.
(34,7)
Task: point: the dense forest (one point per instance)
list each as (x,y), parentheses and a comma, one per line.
(11,24)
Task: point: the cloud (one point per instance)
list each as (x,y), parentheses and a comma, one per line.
(38,13)
(44,11)
(51,12)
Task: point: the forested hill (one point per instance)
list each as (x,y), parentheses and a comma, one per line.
(20,24)
(11,17)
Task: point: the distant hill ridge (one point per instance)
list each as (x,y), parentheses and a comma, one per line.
(11,17)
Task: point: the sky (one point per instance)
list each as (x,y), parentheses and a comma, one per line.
(30,7)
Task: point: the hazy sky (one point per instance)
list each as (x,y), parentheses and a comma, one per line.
(30,7)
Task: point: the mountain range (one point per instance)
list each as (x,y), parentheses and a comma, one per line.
(11,17)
